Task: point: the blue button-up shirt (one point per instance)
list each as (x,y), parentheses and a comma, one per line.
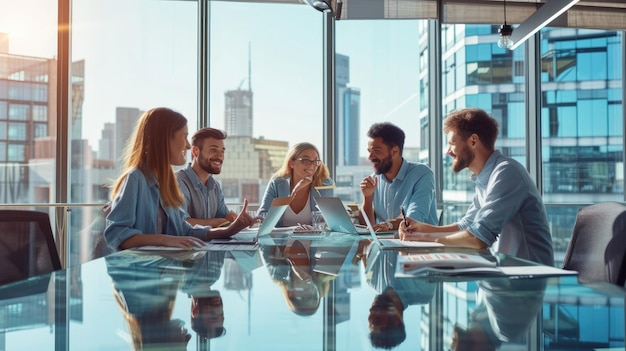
(135,210)
(201,201)
(413,187)
(507,211)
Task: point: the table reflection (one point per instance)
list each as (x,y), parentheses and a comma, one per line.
(145,289)
(297,292)
(504,310)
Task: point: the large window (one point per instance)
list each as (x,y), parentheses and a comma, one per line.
(27,58)
(266,86)
(127,57)
(377,80)
(582,123)
(480,74)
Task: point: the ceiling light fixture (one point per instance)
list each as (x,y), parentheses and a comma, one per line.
(539,19)
(332,6)
(505,33)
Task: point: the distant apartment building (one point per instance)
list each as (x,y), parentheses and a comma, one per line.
(249,164)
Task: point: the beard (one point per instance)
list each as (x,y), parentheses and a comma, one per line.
(208,167)
(383,166)
(462,160)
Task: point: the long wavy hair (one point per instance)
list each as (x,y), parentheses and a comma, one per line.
(320,174)
(148,150)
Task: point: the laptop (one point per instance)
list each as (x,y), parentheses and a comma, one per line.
(337,218)
(396,243)
(279,205)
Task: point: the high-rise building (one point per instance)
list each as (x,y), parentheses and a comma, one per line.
(125,120)
(106,144)
(238,107)
(348,103)
(238,112)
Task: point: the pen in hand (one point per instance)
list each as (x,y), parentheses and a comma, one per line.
(406,223)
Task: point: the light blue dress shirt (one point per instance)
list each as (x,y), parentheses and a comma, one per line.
(507,212)
(280,187)
(135,209)
(201,201)
(413,187)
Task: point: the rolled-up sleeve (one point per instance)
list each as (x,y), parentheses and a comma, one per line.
(504,196)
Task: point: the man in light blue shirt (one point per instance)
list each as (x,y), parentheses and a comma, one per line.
(507,212)
(204,199)
(396,182)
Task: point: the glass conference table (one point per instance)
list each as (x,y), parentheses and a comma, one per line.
(295,292)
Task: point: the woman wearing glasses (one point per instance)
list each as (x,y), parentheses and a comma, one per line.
(302,176)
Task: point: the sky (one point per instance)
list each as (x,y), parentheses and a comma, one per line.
(143,54)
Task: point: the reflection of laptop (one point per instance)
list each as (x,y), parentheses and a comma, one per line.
(336,217)
(279,205)
(395,243)
(331,259)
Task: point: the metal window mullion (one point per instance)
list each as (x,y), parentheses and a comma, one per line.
(329,128)
(435,108)
(623,49)
(63,111)
(62,178)
(204,56)
(533,109)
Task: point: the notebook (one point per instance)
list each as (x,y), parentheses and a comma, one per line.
(395,243)
(337,218)
(279,205)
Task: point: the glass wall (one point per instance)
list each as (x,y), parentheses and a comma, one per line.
(130,61)
(581,123)
(28,51)
(266,89)
(377,76)
(478,73)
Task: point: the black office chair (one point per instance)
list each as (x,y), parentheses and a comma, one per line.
(26,245)
(598,245)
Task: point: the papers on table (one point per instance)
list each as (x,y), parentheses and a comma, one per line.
(464,264)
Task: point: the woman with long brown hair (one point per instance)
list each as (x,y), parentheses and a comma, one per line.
(146,198)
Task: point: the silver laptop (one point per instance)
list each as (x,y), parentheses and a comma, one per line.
(336,217)
(395,243)
(279,205)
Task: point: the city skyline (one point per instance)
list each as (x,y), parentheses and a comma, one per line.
(106,68)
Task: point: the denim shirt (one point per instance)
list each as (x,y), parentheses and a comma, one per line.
(413,187)
(135,208)
(201,201)
(280,187)
(507,211)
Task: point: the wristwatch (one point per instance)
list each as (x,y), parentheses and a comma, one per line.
(389,225)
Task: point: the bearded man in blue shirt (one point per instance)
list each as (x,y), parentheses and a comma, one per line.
(507,212)
(396,183)
(204,199)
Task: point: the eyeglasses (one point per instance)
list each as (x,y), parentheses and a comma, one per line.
(307,162)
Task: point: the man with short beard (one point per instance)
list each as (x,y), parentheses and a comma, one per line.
(204,199)
(507,212)
(396,183)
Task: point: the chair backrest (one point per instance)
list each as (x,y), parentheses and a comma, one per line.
(26,245)
(598,244)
